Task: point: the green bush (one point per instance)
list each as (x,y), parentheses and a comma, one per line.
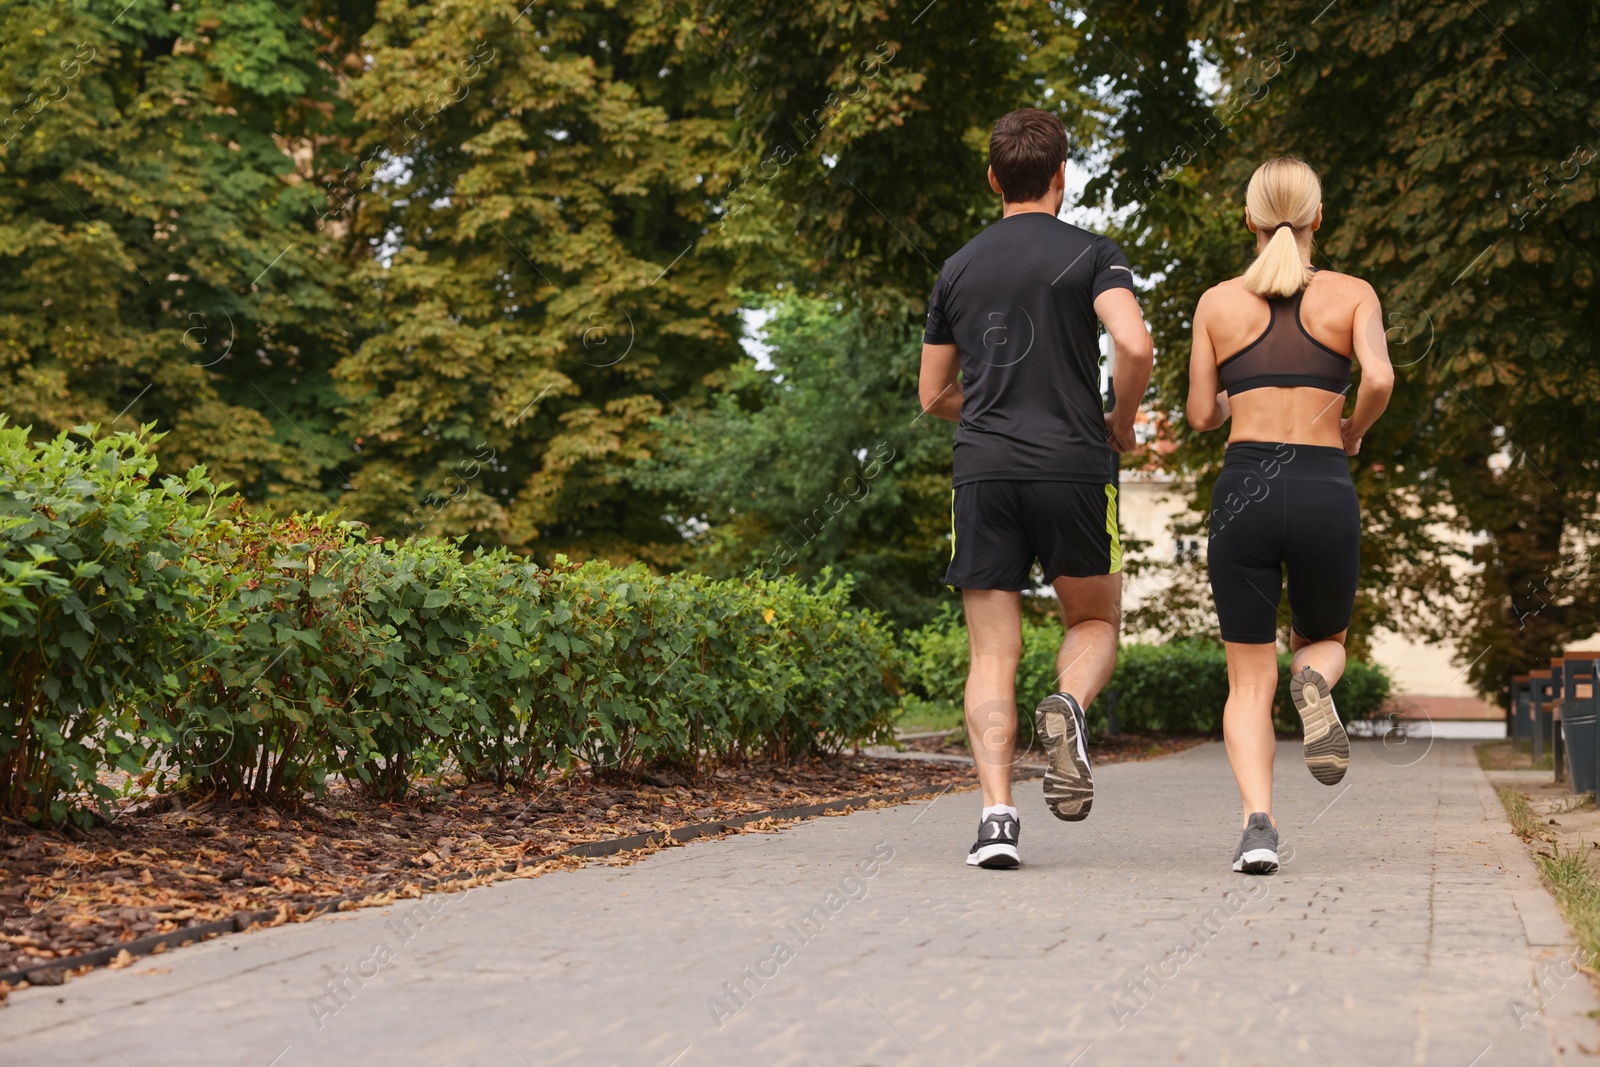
(1177,688)
(276,690)
(149,631)
(100,596)
(682,668)
(1180,687)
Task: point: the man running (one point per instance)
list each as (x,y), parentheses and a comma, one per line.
(1013,314)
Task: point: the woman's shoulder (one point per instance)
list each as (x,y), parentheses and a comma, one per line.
(1344,285)
(1223,295)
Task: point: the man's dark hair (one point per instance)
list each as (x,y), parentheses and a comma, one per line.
(1026,150)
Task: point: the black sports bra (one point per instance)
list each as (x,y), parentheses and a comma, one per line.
(1285,356)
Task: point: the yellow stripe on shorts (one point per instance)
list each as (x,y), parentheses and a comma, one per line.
(1111,528)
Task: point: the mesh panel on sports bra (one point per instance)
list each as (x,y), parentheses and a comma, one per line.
(1285,354)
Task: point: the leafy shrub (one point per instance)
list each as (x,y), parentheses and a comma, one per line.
(1175,688)
(145,631)
(273,695)
(99,593)
(1179,687)
(633,668)
(448,655)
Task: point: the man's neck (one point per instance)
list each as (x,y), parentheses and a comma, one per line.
(1039,207)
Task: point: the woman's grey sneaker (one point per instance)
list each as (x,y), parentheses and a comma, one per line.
(1068,784)
(997,842)
(1258,848)
(1327,747)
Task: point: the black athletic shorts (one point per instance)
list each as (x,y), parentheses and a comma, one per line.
(1278,506)
(999,528)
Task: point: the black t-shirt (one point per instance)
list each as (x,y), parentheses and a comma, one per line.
(1018,302)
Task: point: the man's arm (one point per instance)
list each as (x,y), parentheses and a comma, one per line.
(1119,311)
(938,386)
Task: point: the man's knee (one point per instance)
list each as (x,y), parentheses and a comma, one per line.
(1109,623)
(1094,600)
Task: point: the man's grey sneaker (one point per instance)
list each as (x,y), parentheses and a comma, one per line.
(1327,747)
(997,842)
(1068,784)
(1258,848)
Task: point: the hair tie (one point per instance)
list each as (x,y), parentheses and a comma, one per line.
(1281,225)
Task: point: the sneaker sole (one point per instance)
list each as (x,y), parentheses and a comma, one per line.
(994,857)
(1068,782)
(1257,861)
(1327,748)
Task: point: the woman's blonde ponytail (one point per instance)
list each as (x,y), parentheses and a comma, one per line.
(1284,196)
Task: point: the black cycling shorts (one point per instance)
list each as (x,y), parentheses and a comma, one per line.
(999,528)
(1278,506)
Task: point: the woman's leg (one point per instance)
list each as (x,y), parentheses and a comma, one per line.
(1326,657)
(1324,564)
(1247,722)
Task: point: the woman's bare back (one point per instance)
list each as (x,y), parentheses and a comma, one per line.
(1233,317)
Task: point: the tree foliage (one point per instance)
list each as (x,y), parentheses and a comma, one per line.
(813,462)
(463,269)
(1454,144)
(480,270)
(547,279)
(155,208)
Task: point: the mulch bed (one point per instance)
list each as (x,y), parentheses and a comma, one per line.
(1120,748)
(163,863)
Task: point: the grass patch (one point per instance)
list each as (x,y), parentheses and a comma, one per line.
(918,716)
(1524,823)
(1572,882)
(1569,875)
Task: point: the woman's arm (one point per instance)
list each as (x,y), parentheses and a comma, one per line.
(1377,375)
(1207,407)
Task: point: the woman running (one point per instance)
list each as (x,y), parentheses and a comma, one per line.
(1278,340)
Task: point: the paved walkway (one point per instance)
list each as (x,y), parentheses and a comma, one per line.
(1404,930)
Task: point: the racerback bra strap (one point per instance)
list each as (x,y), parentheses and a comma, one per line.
(1285,355)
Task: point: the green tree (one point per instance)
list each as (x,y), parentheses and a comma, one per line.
(1454,144)
(463,269)
(813,462)
(866,126)
(540,191)
(157,199)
